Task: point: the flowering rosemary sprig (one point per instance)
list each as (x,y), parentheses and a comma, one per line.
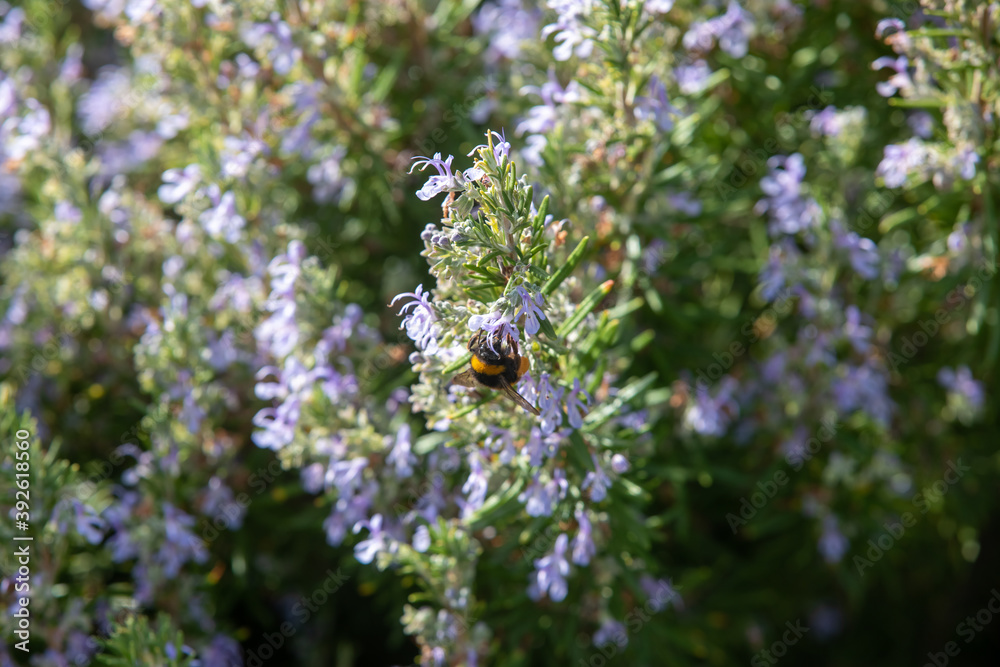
(493,255)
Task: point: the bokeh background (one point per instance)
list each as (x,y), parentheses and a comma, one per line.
(796,201)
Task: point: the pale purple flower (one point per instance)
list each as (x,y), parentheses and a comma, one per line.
(502,441)
(530,309)
(537,498)
(550,573)
(327,178)
(422,539)
(476,485)
(960,382)
(306,97)
(542,118)
(139,11)
(222,222)
(346,475)
(180,545)
(693,78)
(66,212)
(653,256)
(736,27)
(540,447)
(108,9)
(297,139)
(620,464)
(583,543)
(611,632)
(277,35)
(245,68)
(222,350)
(790,211)
(279,333)
(179,183)
(793,448)
(86,521)
(80,647)
(832,543)
(883,26)
(278,430)
(218,502)
(829,122)
(71,69)
(573,36)
(549,404)
(120,157)
(171,124)
(421,321)
(295,384)
(854,331)
(660,593)
(285,269)
(378,540)
(123,545)
(532,151)
(575,408)
(498,325)
(28,131)
(658,6)
(900,81)
(445,181)
(401,457)
(8,99)
(347,512)
(501,147)
(508,23)
(597,481)
(861,252)
(10,27)
(100,106)
(922,124)
(430,505)
(964,163)
(656,106)
(711,415)
(773,274)
(221,652)
(239,153)
(685,203)
(826,620)
(732,30)
(899,160)
(862,387)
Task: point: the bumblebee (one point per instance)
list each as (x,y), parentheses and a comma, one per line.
(498,367)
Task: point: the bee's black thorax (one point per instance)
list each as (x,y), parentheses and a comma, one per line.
(489,365)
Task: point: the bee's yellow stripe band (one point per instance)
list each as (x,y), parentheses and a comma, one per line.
(486,369)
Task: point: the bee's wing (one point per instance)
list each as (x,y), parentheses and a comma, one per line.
(465,379)
(516,397)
